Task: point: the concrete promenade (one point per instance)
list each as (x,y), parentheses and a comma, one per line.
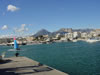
(26,66)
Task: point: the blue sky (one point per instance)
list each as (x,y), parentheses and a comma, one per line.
(47,14)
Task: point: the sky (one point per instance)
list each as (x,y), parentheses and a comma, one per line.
(24,17)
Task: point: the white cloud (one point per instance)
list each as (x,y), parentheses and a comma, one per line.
(21,29)
(12,8)
(4,27)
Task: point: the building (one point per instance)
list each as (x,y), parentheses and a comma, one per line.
(93,33)
(84,35)
(76,34)
(97,32)
(30,38)
(69,36)
(58,35)
(5,40)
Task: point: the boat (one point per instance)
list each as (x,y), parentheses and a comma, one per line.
(92,40)
(16,47)
(74,40)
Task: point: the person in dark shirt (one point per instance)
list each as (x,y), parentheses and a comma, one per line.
(16,54)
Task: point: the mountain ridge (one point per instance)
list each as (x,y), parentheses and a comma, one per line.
(61,31)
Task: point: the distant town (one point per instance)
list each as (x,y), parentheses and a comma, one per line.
(62,35)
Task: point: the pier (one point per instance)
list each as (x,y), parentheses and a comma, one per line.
(26,66)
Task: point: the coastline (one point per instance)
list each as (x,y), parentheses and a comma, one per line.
(45,42)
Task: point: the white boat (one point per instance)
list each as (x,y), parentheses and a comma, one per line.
(92,40)
(74,40)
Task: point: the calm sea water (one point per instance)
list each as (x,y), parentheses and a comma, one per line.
(78,58)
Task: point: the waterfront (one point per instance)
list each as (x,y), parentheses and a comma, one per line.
(78,58)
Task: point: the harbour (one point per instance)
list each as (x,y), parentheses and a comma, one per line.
(49,37)
(74,58)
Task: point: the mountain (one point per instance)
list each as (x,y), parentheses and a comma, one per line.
(42,32)
(82,30)
(62,31)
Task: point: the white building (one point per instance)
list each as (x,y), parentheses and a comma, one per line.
(69,35)
(94,34)
(30,38)
(58,35)
(84,35)
(63,39)
(76,35)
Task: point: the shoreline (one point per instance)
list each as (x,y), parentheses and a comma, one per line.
(44,42)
